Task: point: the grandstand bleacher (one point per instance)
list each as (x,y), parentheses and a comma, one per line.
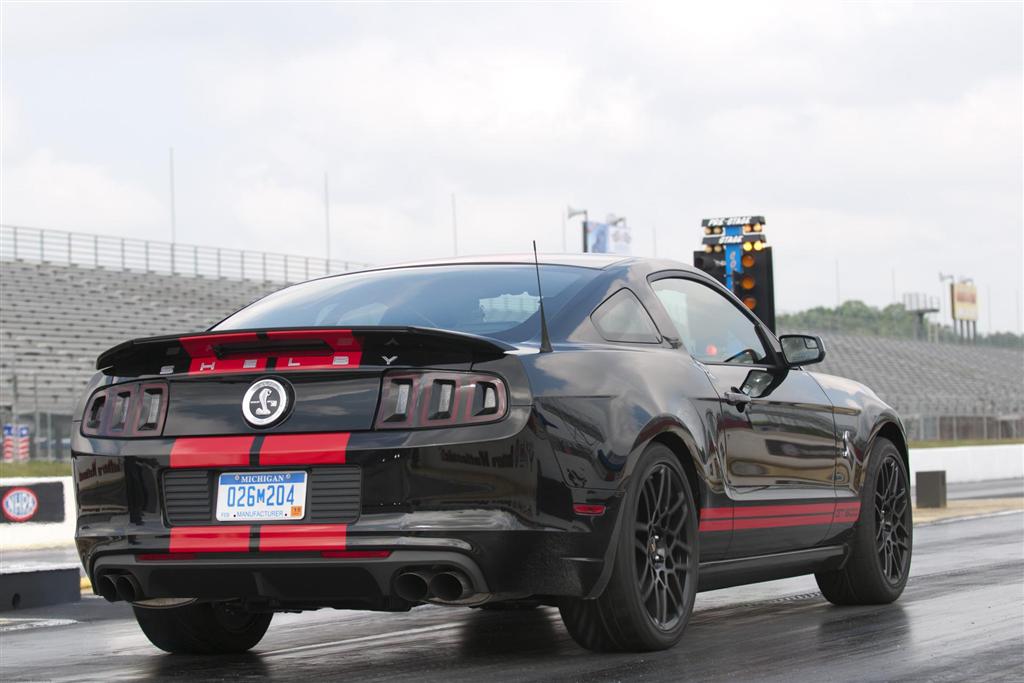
(55,318)
(934,384)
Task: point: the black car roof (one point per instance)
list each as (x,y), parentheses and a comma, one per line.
(595,261)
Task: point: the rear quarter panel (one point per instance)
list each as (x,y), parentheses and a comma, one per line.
(860,415)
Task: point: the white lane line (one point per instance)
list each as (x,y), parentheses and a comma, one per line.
(361,639)
(25,624)
(365,639)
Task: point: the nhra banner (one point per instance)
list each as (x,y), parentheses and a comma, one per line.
(39,502)
(604,238)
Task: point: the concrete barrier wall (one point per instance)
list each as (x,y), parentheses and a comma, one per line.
(963,464)
(970,463)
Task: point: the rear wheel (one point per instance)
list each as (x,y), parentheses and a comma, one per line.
(208,628)
(877,570)
(650,594)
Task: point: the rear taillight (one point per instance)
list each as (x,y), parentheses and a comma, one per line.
(127,410)
(413,400)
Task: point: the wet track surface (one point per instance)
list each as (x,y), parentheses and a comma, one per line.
(961,618)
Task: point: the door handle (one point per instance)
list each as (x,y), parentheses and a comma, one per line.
(737,398)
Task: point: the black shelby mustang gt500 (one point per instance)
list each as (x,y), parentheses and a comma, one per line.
(415,434)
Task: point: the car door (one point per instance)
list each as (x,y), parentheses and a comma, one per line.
(776,422)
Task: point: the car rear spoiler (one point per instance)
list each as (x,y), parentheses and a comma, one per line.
(301,348)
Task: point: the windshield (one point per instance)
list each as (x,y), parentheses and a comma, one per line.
(493,300)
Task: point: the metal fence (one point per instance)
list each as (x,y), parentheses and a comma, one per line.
(149,256)
(963,427)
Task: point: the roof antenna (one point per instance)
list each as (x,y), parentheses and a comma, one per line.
(545,341)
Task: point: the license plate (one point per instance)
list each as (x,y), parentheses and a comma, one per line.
(261,495)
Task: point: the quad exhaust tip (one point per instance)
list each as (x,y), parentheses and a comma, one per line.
(106,588)
(412,586)
(421,585)
(450,586)
(114,587)
(128,588)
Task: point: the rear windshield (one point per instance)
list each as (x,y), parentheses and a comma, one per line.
(492,300)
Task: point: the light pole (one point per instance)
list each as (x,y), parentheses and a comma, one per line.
(572,213)
(327,227)
(174,223)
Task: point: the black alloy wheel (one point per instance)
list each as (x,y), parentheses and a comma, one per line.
(881,543)
(891,520)
(653,584)
(663,550)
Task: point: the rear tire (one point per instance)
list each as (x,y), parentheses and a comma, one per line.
(205,628)
(650,594)
(877,569)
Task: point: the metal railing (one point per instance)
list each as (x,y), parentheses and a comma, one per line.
(20,243)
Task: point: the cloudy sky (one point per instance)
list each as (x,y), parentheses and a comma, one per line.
(887,137)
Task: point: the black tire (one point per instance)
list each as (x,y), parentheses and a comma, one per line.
(203,628)
(882,544)
(650,595)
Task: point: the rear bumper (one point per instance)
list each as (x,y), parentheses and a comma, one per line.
(288,582)
(500,565)
(498,508)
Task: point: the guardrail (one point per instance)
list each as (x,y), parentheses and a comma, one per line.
(148,256)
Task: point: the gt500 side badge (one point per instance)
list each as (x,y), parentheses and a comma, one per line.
(264,403)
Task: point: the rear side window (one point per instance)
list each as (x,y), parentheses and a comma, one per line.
(622,318)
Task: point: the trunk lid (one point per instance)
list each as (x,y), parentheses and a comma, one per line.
(332,376)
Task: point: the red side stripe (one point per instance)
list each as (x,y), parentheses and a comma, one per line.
(209,539)
(211,451)
(715,525)
(783,510)
(288,537)
(304,449)
(774,522)
(774,516)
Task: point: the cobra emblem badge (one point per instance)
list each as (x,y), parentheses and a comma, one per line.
(265,402)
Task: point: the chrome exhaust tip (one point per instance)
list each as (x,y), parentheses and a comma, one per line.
(412,586)
(106,588)
(450,586)
(128,588)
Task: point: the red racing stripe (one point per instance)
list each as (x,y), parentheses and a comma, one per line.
(716,513)
(775,522)
(204,360)
(783,510)
(346,351)
(288,537)
(774,516)
(211,451)
(715,525)
(209,539)
(304,449)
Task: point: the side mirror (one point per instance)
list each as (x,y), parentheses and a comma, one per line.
(802,349)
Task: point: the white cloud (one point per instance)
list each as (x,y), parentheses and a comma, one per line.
(42,190)
(887,135)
